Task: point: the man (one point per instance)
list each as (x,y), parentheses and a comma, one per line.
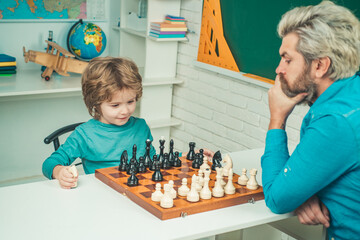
(320,54)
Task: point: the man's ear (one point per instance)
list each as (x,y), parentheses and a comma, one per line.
(321,66)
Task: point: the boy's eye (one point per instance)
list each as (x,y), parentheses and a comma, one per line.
(131,101)
(287,61)
(114,105)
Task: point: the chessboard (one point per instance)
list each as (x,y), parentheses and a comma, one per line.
(141,194)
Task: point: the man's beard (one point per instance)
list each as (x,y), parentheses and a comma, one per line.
(302,84)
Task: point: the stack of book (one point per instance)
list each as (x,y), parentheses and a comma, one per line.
(172,27)
(7,64)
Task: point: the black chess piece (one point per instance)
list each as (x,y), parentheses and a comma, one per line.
(166,163)
(133,163)
(177,161)
(142,167)
(161,154)
(171,153)
(216,161)
(157,175)
(201,154)
(196,162)
(191,154)
(132,180)
(123,161)
(152,166)
(147,157)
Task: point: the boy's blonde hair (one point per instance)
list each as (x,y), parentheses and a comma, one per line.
(103,77)
(326,30)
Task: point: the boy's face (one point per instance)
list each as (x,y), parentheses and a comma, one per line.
(119,109)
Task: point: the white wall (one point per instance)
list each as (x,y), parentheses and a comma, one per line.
(219,112)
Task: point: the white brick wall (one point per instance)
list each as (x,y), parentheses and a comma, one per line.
(219,112)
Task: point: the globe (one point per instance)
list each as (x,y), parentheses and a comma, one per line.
(86,40)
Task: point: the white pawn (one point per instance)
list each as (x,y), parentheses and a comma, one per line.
(229,188)
(252,183)
(198,186)
(75,173)
(205,192)
(201,178)
(243,179)
(193,195)
(205,165)
(218,190)
(172,190)
(184,189)
(167,200)
(157,195)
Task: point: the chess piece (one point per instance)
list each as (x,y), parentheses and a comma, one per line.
(197,183)
(229,187)
(148,161)
(152,165)
(161,154)
(191,154)
(228,165)
(218,190)
(205,164)
(157,175)
(216,161)
(123,161)
(157,195)
(205,192)
(171,153)
(167,201)
(172,190)
(165,164)
(142,167)
(177,161)
(220,173)
(200,177)
(201,156)
(196,162)
(193,195)
(75,173)
(252,183)
(184,189)
(132,180)
(243,179)
(133,164)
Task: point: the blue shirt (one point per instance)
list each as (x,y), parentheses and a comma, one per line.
(326,162)
(100,145)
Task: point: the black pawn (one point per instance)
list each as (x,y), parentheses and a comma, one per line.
(142,167)
(147,157)
(201,158)
(157,175)
(153,163)
(171,153)
(132,180)
(216,161)
(196,162)
(166,163)
(177,161)
(191,154)
(123,161)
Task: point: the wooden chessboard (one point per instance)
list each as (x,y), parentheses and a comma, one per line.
(141,194)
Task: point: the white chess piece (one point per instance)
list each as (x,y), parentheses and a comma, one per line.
(252,183)
(198,186)
(157,195)
(218,190)
(193,195)
(219,171)
(172,190)
(228,165)
(205,165)
(243,179)
(201,178)
(167,200)
(205,192)
(229,188)
(74,172)
(184,189)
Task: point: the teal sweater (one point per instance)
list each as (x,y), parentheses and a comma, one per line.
(100,145)
(326,162)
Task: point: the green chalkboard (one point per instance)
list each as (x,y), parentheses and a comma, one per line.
(250,31)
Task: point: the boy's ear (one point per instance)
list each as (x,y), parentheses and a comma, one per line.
(321,66)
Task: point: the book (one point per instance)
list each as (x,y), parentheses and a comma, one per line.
(174,17)
(7,71)
(174,22)
(8,68)
(7,58)
(166,35)
(167,32)
(168,29)
(7,64)
(167,25)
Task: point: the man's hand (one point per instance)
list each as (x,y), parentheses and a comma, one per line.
(313,212)
(281,105)
(66,178)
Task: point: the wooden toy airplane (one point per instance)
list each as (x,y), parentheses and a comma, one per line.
(61,64)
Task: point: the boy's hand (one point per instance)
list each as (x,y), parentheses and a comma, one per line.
(66,178)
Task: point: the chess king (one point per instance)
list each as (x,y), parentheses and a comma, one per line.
(320,55)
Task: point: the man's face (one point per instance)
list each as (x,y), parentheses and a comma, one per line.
(294,73)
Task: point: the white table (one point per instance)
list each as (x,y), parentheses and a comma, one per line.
(93,210)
